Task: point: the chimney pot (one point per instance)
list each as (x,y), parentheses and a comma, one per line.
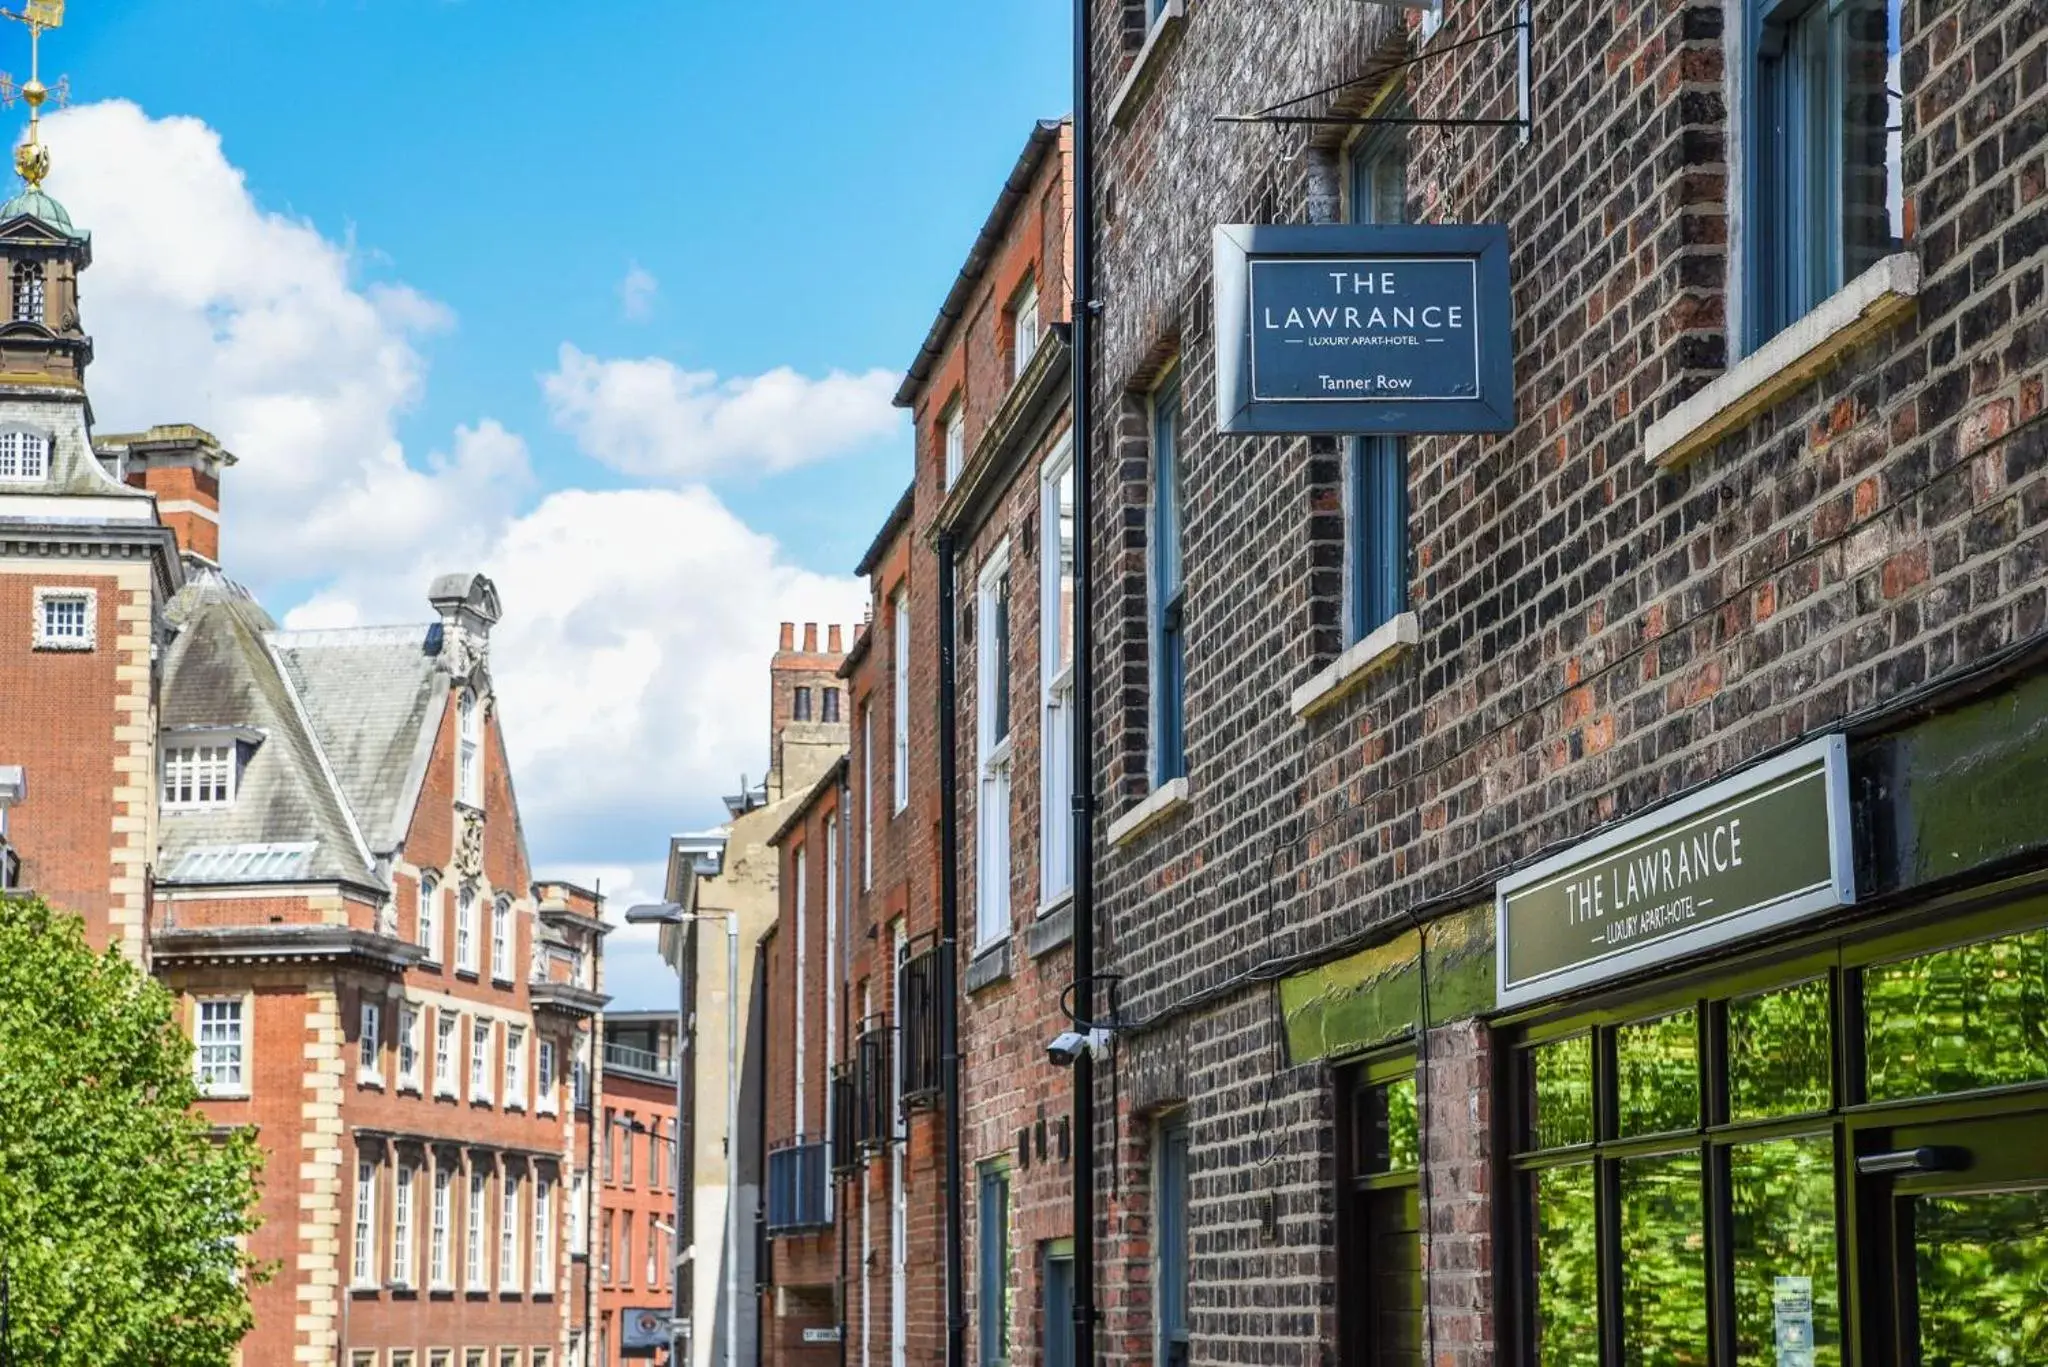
(788,636)
(810,638)
(832,640)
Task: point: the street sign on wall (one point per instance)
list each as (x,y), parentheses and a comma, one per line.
(1363,328)
(1766,847)
(642,1330)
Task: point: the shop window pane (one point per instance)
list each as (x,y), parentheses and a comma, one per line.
(1388,1138)
(1973,1016)
(1982,1266)
(1567,1267)
(1787,1303)
(1560,1093)
(1663,1262)
(1779,1059)
(1658,1068)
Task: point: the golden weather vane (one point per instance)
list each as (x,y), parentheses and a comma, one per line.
(31,158)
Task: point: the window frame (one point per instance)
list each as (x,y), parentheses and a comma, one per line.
(365,1250)
(1375,478)
(953,438)
(543,1273)
(515,1068)
(26,458)
(369,1044)
(1172,1267)
(544,1077)
(216,1089)
(469,775)
(409,1041)
(899,630)
(994,654)
(1056,680)
(867,793)
(1166,598)
(502,939)
(427,922)
(509,1230)
(476,1272)
(402,1225)
(994,1260)
(85,637)
(440,1229)
(28,299)
(1027,329)
(447,1052)
(199,768)
(480,1039)
(466,929)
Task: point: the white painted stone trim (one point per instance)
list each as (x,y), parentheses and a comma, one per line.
(1167,800)
(1846,319)
(1139,77)
(1381,646)
(45,641)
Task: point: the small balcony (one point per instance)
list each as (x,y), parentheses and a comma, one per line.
(799,1189)
(874,1099)
(845,1109)
(919,1012)
(644,1062)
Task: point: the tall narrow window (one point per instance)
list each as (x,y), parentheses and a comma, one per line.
(1375,467)
(1169,657)
(367,1044)
(831,1016)
(1379,1252)
(445,1025)
(508,1232)
(515,1065)
(800,898)
(800,704)
(480,1061)
(900,631)
(501,939)
(604,1247)
(828,704)
(1056,676)
(992,1299)
(543,1233)
(220,1048)
(401,1225)
(1170,1218)
(476,1274)
(579,1211)
(1024,328)
(626,1148)
(363,1271)
(992,739)
(430,918)
(625,1263)
(24,456)
(28,291)
(953,432)
(465,929)
(544,1077)
(439,1232)
(409,1046)
(1824,178)
(867,794)
(469,777)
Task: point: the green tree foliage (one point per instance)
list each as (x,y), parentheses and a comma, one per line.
(123,1216)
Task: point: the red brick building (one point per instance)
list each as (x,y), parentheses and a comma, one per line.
(990,398)
(636,1157)
(312,838)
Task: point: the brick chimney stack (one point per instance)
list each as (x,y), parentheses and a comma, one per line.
(181,465)
(807,707)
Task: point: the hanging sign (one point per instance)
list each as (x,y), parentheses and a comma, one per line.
(642,1330)
(1769,846)
(1363,328)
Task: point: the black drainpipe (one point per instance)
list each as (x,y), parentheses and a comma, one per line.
(1084,677)
(949,935)
(843,955)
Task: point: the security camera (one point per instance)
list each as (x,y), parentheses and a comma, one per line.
(1068,1045)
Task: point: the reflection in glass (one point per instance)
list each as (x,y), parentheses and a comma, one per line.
(1567,1276)
(1663,1262)
(1982,1263)
(1560,1081)
(1779,1060)
(1787,1300)
(1388,1137)
(1973,1016)
(1658,1068)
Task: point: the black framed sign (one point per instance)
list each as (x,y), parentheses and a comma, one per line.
(1363,328)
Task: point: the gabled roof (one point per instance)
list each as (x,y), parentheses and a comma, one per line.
(220,673)
(374,697)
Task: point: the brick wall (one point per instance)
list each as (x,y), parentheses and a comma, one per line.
(1595,635)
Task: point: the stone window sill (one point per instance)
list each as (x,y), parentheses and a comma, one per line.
(1858,311)
(1377,649)
(989,966)
(1164,803)
(1138,80)
(1052,927)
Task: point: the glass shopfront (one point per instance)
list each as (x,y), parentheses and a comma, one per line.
(1831,1154)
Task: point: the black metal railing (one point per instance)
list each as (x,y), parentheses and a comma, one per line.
(799,1194)
(845,1147)
(874,1101)
(919,1013)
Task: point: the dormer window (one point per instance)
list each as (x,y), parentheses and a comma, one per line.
(24,456)
(469,778)
(199,775)
(28,291)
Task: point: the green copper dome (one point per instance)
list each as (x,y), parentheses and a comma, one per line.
(39,204)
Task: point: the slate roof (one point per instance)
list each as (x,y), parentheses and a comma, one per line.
(221,673)
(337,728)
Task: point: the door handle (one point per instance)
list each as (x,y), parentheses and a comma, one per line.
(1926,1158)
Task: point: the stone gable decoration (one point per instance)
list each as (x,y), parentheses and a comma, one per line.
(468,605)
(469,844)
(1363,329)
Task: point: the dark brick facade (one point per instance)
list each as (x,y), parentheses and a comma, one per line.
(1596,635)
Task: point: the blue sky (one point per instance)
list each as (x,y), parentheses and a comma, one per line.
(389,251)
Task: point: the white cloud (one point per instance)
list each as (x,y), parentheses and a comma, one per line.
(637,291)
(632,661)
(649,417)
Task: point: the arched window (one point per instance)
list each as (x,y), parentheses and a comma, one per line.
(24,455)
(28,291)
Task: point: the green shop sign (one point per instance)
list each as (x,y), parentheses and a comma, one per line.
(1764,848)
